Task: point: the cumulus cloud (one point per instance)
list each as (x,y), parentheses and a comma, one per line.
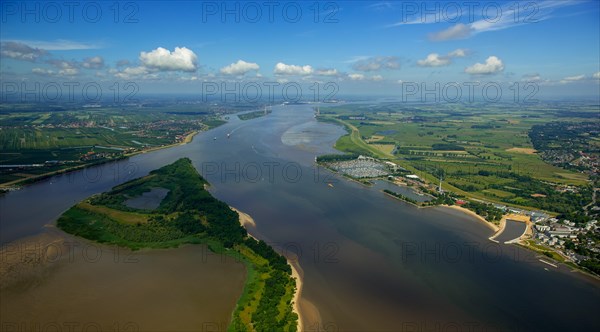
(457,31)
(96,62)
(181,59)
(43,72)
(239,68)
(155,61)
(492,65)
(434,60)
(596,75)
(131,72)
(65,68)
(356,77)
(283,69)
(377,63)
(20,51)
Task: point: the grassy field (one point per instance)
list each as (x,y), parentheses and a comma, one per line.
(114,214)
(481,150)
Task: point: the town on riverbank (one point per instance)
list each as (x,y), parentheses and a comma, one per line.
(554,236)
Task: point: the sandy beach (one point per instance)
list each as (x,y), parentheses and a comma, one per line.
(296,275)
(188,138)
(476,216)
(246,220)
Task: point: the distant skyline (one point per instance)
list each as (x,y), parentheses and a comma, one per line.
(363,47)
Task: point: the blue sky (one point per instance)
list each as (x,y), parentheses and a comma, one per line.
(364,47)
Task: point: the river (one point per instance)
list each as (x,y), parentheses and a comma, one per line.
(370,262)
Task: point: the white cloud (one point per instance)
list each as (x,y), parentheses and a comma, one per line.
(283,69)
(356,77)
(20,51)
(181,59)
(492,65)
(68,71)
(239,68)
(596,75)
(535,77)
(457,31)
(434,60)
(96,62)
(362,77)
(66,68)
(131,72)
(43,72)
(571,79)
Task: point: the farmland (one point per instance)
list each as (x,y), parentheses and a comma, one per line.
(480,151)
(37,140)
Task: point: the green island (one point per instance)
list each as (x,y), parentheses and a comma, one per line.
(253,115)
(188,214)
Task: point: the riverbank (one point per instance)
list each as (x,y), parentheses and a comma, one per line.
(246,220)
(496,228)
(35,178)
(188,138)
(299,284)
(402,199)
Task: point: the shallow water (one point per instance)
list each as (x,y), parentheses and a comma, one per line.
(512,230)
(86,285)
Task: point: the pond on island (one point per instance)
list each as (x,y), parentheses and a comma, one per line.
(149,200)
